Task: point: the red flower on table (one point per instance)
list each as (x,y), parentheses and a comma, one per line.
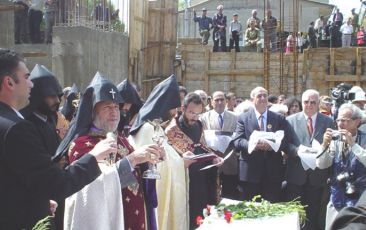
(227,215)
(199,220)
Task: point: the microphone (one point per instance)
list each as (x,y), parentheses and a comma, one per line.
(110,158)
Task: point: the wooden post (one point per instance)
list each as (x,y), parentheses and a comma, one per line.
(232,67)
(358,66)
(207,66)
(332,63)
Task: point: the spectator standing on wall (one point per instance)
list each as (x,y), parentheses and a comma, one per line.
(35,18)
(270,31)
(235,30)
(312,35)
(361,37)
(20,19)
(219,32)
(338,18)
(255,18)
(346,30)
(50,9)
(203,24)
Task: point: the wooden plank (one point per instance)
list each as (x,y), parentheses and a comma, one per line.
(344,78)
(11,7)
(34,54)
(358,65)
(245,72)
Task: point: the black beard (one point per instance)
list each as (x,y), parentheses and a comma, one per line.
(46,110)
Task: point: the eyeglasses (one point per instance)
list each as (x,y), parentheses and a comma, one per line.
(344,120)
(294,106)
(193,114)
(311,102)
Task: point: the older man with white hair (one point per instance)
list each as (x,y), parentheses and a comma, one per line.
(254,18)
(261,171)
(307,127)
(344,152)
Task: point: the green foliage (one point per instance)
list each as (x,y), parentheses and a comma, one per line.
(181,5)
(253,209)
(44,224)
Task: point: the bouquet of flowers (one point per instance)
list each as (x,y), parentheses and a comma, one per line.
(254,209)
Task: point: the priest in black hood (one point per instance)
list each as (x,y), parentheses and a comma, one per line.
(43,106)
(172,188)
(131,106)
(69,108)
(97,117)
(42,110)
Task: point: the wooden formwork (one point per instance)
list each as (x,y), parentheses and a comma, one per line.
(320,69)
(153,37)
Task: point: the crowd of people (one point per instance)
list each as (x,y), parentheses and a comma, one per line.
(28,16)
(86,163)
(330,32)
(250,31)
(33,16)
(337,31)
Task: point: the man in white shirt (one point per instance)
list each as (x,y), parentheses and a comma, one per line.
(346,30)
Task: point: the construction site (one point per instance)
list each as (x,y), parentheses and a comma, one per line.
(150,40)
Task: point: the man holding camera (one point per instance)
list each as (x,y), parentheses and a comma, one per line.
(344,151)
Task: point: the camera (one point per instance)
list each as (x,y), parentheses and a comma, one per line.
(341,93)
(336,135)
(347,178)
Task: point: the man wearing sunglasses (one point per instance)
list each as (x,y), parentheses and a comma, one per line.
(308,126)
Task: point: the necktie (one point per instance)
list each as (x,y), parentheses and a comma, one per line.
(310,126)
(261,123)
(221,120)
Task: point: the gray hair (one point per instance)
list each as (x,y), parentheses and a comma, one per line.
(356,112)
(308,93)
(254,92)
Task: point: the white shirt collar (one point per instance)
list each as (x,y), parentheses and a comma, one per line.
(257,114)
(313,119)
(217,114)
(18,114)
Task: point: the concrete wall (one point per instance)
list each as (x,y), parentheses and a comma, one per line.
(6,25)
(79,52)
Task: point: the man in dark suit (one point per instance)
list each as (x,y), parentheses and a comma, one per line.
(260,172)
(308,184)
(28,178)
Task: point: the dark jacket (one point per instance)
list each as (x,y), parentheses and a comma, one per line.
(253,166)
(28,178)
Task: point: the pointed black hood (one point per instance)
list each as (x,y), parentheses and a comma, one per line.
(44,84)
(129,93)
(164,97)
(68,109)
(100,89)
